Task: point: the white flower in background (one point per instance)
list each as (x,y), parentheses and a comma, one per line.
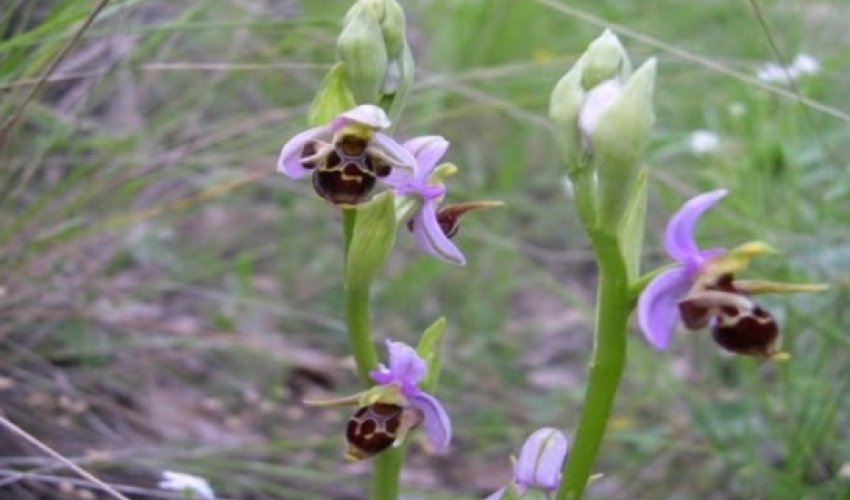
(704,142)
(187,483)
(737,110)
(803,64)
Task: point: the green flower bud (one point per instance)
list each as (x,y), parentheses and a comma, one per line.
(602,115)
(373,48)
(605,58)
(361,49)
(564,107)
(393,27)
(616,129)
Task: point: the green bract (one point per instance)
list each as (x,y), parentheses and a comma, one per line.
(333,97)
(371,241)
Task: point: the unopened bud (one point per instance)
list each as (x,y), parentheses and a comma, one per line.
(605,59)
(603,115)
(373,48)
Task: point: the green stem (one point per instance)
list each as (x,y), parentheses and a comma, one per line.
(613,306)
(357,312)
(387,465)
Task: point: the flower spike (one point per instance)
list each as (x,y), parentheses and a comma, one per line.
(702,291)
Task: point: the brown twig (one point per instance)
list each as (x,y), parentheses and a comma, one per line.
(29,438)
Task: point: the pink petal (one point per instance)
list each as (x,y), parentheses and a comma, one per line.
(404,159)
(366,114)
(437,424)
(541,458)
(497,495)
(381,375)
(679,237)
(289,162)
(406,366)
(658,306)
(431,238)
(427,149)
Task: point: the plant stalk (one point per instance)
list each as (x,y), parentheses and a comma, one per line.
(613,306)
(387,465)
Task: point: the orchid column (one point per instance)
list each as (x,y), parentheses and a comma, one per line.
(602,114)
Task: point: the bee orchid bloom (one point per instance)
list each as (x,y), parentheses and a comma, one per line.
(345,169)
(701,291)
(433,226)
(658,307)
(426,227)
(406,370)
(388,411)
(539,464)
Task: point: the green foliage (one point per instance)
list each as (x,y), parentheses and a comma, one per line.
(147,244)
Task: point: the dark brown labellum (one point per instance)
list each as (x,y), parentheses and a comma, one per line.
(343,186)
(738,324)
(347,173)
(751,333)
(376,427)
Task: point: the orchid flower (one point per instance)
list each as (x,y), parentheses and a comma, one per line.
(394,407)
(539,464)
(406,370)
(701,290)
(345,170)
(433,226)
(658,307)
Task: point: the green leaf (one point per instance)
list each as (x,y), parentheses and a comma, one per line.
(429,350)
(632,226)
(333,97)
(372,239)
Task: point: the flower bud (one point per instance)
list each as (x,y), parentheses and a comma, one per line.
(603,115)
(540,459)
(605,60)
(373,48)
(361,48)
(618,137)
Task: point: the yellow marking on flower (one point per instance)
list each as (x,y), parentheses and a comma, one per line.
(441,172)
(358,130)
(780,357)
(738,258)
(756,287)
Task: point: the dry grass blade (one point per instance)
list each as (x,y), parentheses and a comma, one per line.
(29,438)
(18,113)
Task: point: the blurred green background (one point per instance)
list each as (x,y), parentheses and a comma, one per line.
(168,300)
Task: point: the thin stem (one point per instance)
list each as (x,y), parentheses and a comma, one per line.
(357,311)
(613,306)
(360,332)
(387,472)
(387,465)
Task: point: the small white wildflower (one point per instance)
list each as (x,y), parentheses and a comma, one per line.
(187,483)
(806,64)
(772,73)
(737,110)
(704,142)
(803,64)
